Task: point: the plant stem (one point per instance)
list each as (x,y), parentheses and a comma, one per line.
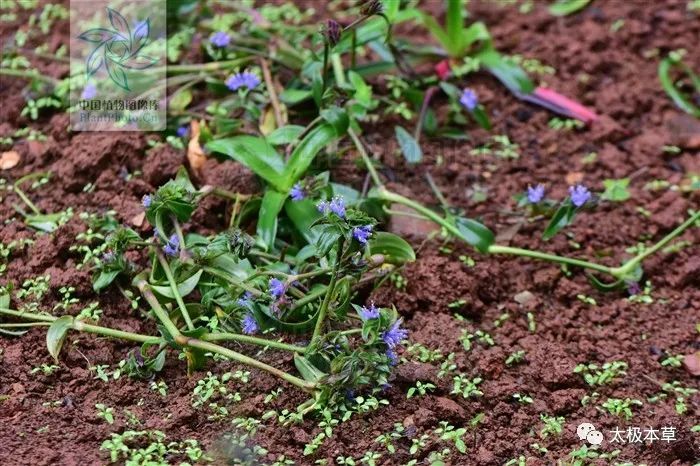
(80,326)
(212,66)
(630,265)
(173,287)
(30,75)
(21,193)
(338,70)
(365,157)
(180,237)
(324,74)
(158,310)
(254,341)
(327,299)
(301,383)
(217,273)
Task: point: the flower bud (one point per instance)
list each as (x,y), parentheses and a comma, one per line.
(332,32)
(371,7)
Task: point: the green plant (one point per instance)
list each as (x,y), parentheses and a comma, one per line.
(620,407)
(105,413)
(602,375)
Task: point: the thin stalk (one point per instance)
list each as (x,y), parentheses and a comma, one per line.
(211,66)
(217,273)
(159,311)
(324,74)
(21,193)
(365,157)
(254,341)
(173,287)
(273,92)
(29,75)
(180,237)
(629,266)
(80,326)
(338,70)
(326,300)
(301,383)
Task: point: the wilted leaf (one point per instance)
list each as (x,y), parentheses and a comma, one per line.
(9,160)
(195,154)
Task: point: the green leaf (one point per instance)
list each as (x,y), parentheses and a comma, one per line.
(43,222)
(562,217)
(338,118)
(395,249)
(256,154)
(304,154)
(284,135)
(57,334)
(270,207)
(475,233)
(454,19)
(510,74)
(481,118)
(476,32)
(183,288)
(440,34)
(307,370)
(566,7)
(363,92)
(5,299)
(294,96)
(328,236)
(303,214)
(180,100)
(104,279)
(409,146)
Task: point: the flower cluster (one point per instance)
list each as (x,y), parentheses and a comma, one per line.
(392,338)
(297,192)
(368,313)
(249,325)
(336,205)
(172,247)
(535,193)
(579,195)
(220,39)
(277,288)
(245,79)
(146,201)
(362,234)
(332,32)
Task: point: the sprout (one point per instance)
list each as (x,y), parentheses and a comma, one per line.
(245,79)
(220,39)
(362,234)
(535,194)
(469,99)
(579,194)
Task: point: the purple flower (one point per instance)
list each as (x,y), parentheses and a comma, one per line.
(220,39)
(248,324)
(337,206)
(244,301)
(173,246)
(277,287)
(579,194)
(297,192)
(362,234)
(245,79)
(369,313)
(332,32)
(146,201)
(182,131)
(393,358)
(323,207)
(535,193)
(108,256)
(394,335)
(89,91)
(633,288)
(469,99)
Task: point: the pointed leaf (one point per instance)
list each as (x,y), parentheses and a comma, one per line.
(270,207)
(256,154)
(284,135)
(395,249)
(562,217)
(183,288)
(57,334)
(510,74)
(307,370)
(475,233)
(303,214)
(305,152)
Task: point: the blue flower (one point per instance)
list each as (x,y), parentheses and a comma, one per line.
(394,335)
(297,192)
(369,313)
(579,194)
(337,206)
(245,79)
(146,201)
(248,324)
(89,91)
(277,287)
(108,256)
(220,39)
(323,207)
(362,234)
(393,358)
(535,194)
(469,99)
(182,131)
(173,246)
(244,301)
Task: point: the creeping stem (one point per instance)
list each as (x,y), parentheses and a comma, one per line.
(327,299)
(173,287)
